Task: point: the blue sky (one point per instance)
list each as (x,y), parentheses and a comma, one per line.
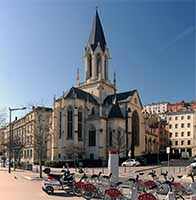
(152,45)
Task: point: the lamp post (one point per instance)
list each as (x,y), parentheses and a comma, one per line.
(10,135)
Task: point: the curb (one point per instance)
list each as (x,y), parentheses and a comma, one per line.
(33,178)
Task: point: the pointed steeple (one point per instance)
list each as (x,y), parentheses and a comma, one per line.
(97,35)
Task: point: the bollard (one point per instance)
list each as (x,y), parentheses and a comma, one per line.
(113,164)
(134,193)
(93,171)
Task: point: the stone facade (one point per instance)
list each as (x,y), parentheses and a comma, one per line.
(29,134)
(3,141)
(92,118)
(182,129)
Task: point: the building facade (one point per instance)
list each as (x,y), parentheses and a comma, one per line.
(178,106)
(159,108)
(182,129)
(30,136)
(92,118)
(3,141)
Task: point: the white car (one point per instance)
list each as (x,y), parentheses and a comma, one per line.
(130,163)
(194,158)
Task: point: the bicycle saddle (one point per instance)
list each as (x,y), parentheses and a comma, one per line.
(179,176)
(131,179)
(141,173)
(107,177)
(119,183)
(94,176)
(164,174)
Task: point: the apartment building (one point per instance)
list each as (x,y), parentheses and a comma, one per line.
(182,130)
(159,108)
(30,135)
(181,105)
(3,141)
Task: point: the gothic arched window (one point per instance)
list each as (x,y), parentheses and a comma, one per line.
(105,68)
(89,65)
(92,136)
(69,123)
(110,138)
(135,128)
(98,63)
(93,111)
(80,126)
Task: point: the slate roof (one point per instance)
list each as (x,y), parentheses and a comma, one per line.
(115,111)
(97,34)
(74,92)
(119,96)
(180,112)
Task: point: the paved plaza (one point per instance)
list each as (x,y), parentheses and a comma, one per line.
(15,187)
(25,185)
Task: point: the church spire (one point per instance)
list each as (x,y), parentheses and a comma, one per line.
(97,35)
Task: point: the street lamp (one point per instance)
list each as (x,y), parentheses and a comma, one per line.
(10,135)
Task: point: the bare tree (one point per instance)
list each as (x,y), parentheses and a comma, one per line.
(17,147)
(117,141)
(41,137)
(74,151)
(3,117)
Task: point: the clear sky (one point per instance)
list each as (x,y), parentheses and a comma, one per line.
(152,47)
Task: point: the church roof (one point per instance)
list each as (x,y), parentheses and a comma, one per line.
(119,96)
(115,111)
(97,34)
(74,92)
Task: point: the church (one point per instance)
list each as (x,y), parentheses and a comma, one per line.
(92,118)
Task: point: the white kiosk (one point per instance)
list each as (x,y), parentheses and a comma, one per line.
(113,164)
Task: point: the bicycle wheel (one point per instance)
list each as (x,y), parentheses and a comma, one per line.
(77,191)
(88,194)
(163,189)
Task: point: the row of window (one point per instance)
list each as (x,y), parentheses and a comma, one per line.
(70,124)
(25,129)
(182,117)
(27,153)
(163,140)
(182,125)
(92,130)
(182,142)
(182,134)
(98,65)
(23,139)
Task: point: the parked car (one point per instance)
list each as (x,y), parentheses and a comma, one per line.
(194,157)
(130,163)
